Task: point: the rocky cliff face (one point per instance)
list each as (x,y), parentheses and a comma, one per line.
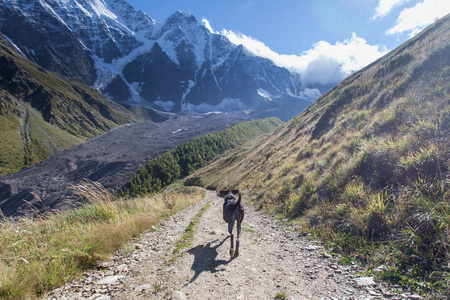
(45,40)
(176,65)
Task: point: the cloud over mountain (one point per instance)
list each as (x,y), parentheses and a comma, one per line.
(325,63)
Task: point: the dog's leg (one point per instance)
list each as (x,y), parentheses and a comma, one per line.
(238,227)
(230,230)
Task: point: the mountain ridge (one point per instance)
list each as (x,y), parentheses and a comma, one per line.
(196,70)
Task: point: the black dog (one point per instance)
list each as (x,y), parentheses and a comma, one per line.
(233,211)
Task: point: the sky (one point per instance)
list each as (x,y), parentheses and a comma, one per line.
(323,40)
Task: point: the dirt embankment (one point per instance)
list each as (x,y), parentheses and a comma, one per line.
(274,260)
(111,159)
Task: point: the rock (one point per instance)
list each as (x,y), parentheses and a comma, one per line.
(388,294)
(216,232)
(99,297)
(104,264)
(142,288)
(380,268)
(139,246)
(122,268)
(348,292)
(365,281)
(310,248)
(177,295)
(87,288)
(109,280)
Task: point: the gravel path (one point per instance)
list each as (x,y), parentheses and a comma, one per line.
(273,260)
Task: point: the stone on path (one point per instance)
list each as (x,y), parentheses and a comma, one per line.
(100,297)
(109,280)
(143,287)
(365,281)
(177,295)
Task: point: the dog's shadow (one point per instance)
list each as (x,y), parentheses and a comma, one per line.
(205,259)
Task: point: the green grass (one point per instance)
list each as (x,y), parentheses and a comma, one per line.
(11,146)
(281,296)
(185,241)
(42,141)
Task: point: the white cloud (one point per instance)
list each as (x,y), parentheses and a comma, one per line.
(324,63)
(206,23)
(416,18)
(385,6)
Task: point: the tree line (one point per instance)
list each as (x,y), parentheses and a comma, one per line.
(192,155)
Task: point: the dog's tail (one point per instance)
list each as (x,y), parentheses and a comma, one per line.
(239,198)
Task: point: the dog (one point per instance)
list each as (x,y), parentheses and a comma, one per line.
(233,211)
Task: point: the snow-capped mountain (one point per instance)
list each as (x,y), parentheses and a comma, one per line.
(176,65)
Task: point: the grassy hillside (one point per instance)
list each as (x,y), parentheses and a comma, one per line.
(41,114)
(192,155)
(366,167)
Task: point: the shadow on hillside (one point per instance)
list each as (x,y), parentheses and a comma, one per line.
(205,259)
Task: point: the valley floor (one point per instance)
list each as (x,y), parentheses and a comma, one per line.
(274,261)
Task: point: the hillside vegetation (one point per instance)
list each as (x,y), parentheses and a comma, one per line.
(366,167)
(192,155)
(41,114)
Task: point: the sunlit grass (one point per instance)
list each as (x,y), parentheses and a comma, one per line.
(356,179)
(37,255)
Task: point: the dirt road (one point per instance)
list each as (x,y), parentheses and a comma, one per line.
(274,260)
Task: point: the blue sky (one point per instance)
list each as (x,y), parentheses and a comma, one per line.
(311,37)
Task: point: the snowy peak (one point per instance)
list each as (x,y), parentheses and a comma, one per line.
(136,20)
(180,18)
(181,36)
(88,7)
(108,28)
(176,65)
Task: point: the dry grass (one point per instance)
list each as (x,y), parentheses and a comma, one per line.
(37,255)
(366,167)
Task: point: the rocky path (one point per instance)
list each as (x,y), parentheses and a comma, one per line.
(274,260)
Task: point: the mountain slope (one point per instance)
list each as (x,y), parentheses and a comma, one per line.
(42,114)
(367,163)
(176,65)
